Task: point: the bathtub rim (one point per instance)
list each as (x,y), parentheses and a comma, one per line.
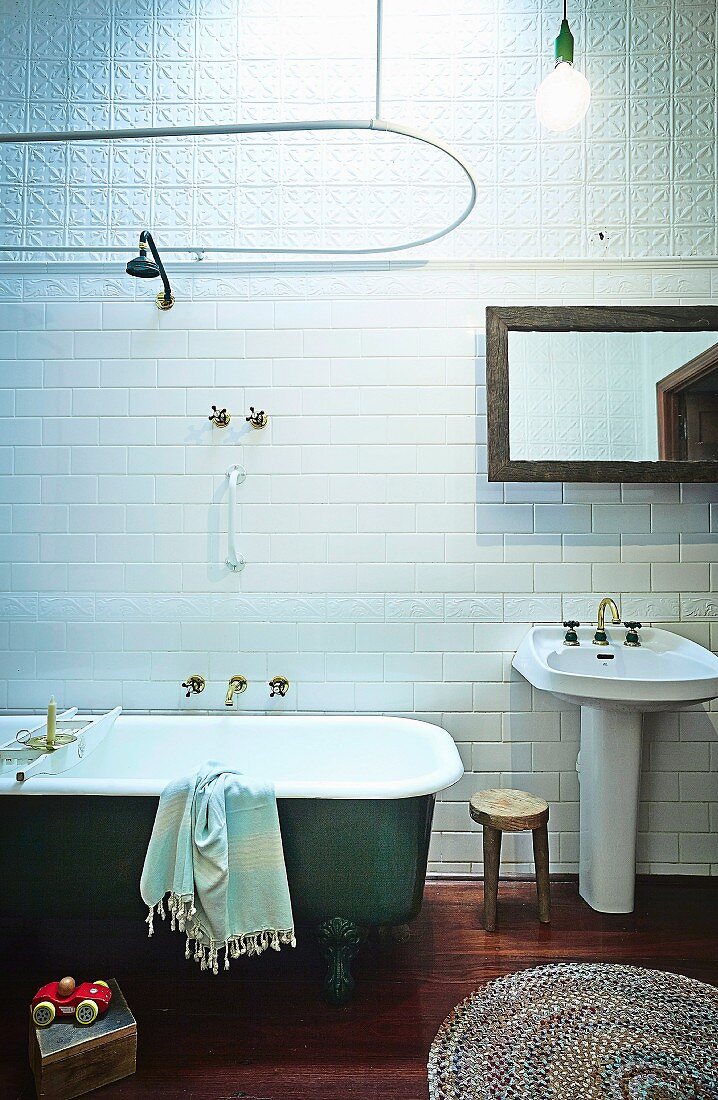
(447,770)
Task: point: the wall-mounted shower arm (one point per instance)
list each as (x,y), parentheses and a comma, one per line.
(146,238)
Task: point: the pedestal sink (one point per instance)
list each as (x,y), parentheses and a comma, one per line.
(614,685)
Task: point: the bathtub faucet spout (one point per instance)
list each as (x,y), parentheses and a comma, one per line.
(236,686)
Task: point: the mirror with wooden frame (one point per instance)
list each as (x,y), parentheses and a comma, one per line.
(602,393)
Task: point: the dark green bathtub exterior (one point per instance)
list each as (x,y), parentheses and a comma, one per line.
(351,863)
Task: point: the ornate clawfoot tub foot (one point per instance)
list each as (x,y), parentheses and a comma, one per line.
(339,940)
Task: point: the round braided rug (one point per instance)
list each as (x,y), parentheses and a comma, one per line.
(580,1031)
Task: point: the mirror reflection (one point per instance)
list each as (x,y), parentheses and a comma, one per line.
(613,396)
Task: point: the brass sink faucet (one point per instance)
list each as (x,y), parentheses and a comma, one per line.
(600,637)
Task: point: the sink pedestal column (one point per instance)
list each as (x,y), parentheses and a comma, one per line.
(609,776)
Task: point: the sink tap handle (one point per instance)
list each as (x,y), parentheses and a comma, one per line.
(632,639)
(571,624)
(571,635)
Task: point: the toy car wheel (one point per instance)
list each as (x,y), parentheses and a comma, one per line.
(86,1013)
(100,982)
(43,1014)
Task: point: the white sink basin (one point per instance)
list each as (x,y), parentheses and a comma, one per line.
(614,685)
(665,672)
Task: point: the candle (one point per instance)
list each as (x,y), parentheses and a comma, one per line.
(51,721)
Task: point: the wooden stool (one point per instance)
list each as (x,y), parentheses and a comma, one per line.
(511,812)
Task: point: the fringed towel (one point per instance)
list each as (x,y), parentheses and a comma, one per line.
(216,849)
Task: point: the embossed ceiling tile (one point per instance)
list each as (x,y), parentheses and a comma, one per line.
(50,38)
(693,160)
(608,119)
(46,164)
(518,76)
(650,161)
(694,203)
(172,206)
(694,118)
(476,35)
(694,75)
(88,164)
(650,29)
(605,31)
(132,39)
(48,116)
(49,80)
(15,37)
(11,207)
(174,81)
(13,116)
(12,165)
(13,78)
(45,206)
(90,81)
(258,206)
(132,81)
(131,163)
(650,242)
(90,38)
(607,74)
(216,80)
(607,205)
(175,39)
(694,240)
(216,165)
(87,206)
(563,205)
(130,207)
(216,39)
(561,161)
(649,204)
(89,116)
(173,164)
(649,75)
(606,161)
(215,209)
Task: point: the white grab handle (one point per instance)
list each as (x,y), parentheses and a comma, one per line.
(235,475)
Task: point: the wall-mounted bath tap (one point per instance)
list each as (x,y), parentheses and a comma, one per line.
(194,685)
(236,686)
(257,419)
(219,417)
(279,685)
(600,637)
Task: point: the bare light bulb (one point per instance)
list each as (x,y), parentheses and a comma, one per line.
(563,98)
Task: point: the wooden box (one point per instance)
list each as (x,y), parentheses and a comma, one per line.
(69,1060)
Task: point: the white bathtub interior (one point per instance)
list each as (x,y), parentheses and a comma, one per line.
(308,756)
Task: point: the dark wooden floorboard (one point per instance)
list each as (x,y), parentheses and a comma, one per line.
(262,1031)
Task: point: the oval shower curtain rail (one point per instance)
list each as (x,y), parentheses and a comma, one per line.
(147,133)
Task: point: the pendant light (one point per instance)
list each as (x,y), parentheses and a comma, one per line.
(563,97)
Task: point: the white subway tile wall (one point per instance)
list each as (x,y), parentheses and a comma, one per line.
(384,573)
(636,179)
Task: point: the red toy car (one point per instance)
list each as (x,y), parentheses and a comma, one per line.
(85,1002)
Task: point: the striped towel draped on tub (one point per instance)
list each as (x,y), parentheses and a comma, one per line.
(216,849)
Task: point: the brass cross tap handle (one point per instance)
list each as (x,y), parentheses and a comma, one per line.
(257,419)
(194,685)
(220,417)
(279,686)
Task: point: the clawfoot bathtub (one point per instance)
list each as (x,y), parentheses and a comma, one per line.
(355,794)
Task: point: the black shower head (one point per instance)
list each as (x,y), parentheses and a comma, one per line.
(143,268)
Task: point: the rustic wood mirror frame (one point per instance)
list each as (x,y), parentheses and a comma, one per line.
(500,320)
